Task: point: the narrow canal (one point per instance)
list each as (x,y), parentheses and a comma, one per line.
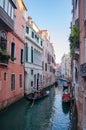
(46,114)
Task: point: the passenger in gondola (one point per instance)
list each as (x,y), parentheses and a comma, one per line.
(32,91)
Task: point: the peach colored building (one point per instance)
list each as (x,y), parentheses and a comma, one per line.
(12,38)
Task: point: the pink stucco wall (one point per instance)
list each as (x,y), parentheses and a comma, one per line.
(7,96)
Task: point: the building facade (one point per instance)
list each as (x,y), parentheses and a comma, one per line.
(66,66)
(49,64)
(75,59)
(12,26)
(82,87)
(80,62)
(33,57)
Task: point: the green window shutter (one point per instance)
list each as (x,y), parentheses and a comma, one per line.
(32,54)
(26,53)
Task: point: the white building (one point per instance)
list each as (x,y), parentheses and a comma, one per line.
(33,57)
(49,64)
(63,66)
(66,66)
(58,71)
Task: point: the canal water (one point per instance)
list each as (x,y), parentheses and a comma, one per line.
(46,114)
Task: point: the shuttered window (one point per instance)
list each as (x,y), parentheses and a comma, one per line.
(20,80)
(45,66)
(13,51)
(13,82)
(27,52)
(21,56)
(31,54)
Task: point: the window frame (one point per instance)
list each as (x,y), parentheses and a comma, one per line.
(12,51)
(22,56)
(20,80)
(13,82)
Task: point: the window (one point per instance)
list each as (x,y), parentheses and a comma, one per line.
(26,52)
(21,56)
(5,76)
(31,83)
(76,74)
(75,4)
(13,82)
(27,30)
(32,54)
(31,72)
(13,51)
(9,9)
(41,43)
(20,80)
(45,66)
(38,39)
(35,36)
(32,34)
(35,80)
(6,5)
(12,13)
(42,65)
(3,40)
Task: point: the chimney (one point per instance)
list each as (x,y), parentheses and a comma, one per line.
(29,20)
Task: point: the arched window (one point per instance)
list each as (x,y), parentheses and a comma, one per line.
(3,40)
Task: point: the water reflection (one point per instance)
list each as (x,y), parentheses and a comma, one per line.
(65,107)
(59,120)
(46,114)
(38,115)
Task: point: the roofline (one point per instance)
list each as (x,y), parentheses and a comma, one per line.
(24,5)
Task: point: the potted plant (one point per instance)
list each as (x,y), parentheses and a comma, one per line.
(4,53)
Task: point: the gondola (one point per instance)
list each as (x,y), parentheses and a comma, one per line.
(37,96)
(66,97)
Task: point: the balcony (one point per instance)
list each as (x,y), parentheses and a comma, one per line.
(4,57)
(83,70)
(5,20)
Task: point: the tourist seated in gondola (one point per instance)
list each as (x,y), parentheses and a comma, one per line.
(33,91)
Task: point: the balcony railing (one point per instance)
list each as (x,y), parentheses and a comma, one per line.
(83,70)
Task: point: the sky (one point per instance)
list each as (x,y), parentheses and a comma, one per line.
(54,16)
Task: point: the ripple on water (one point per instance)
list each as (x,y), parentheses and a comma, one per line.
(46,114)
